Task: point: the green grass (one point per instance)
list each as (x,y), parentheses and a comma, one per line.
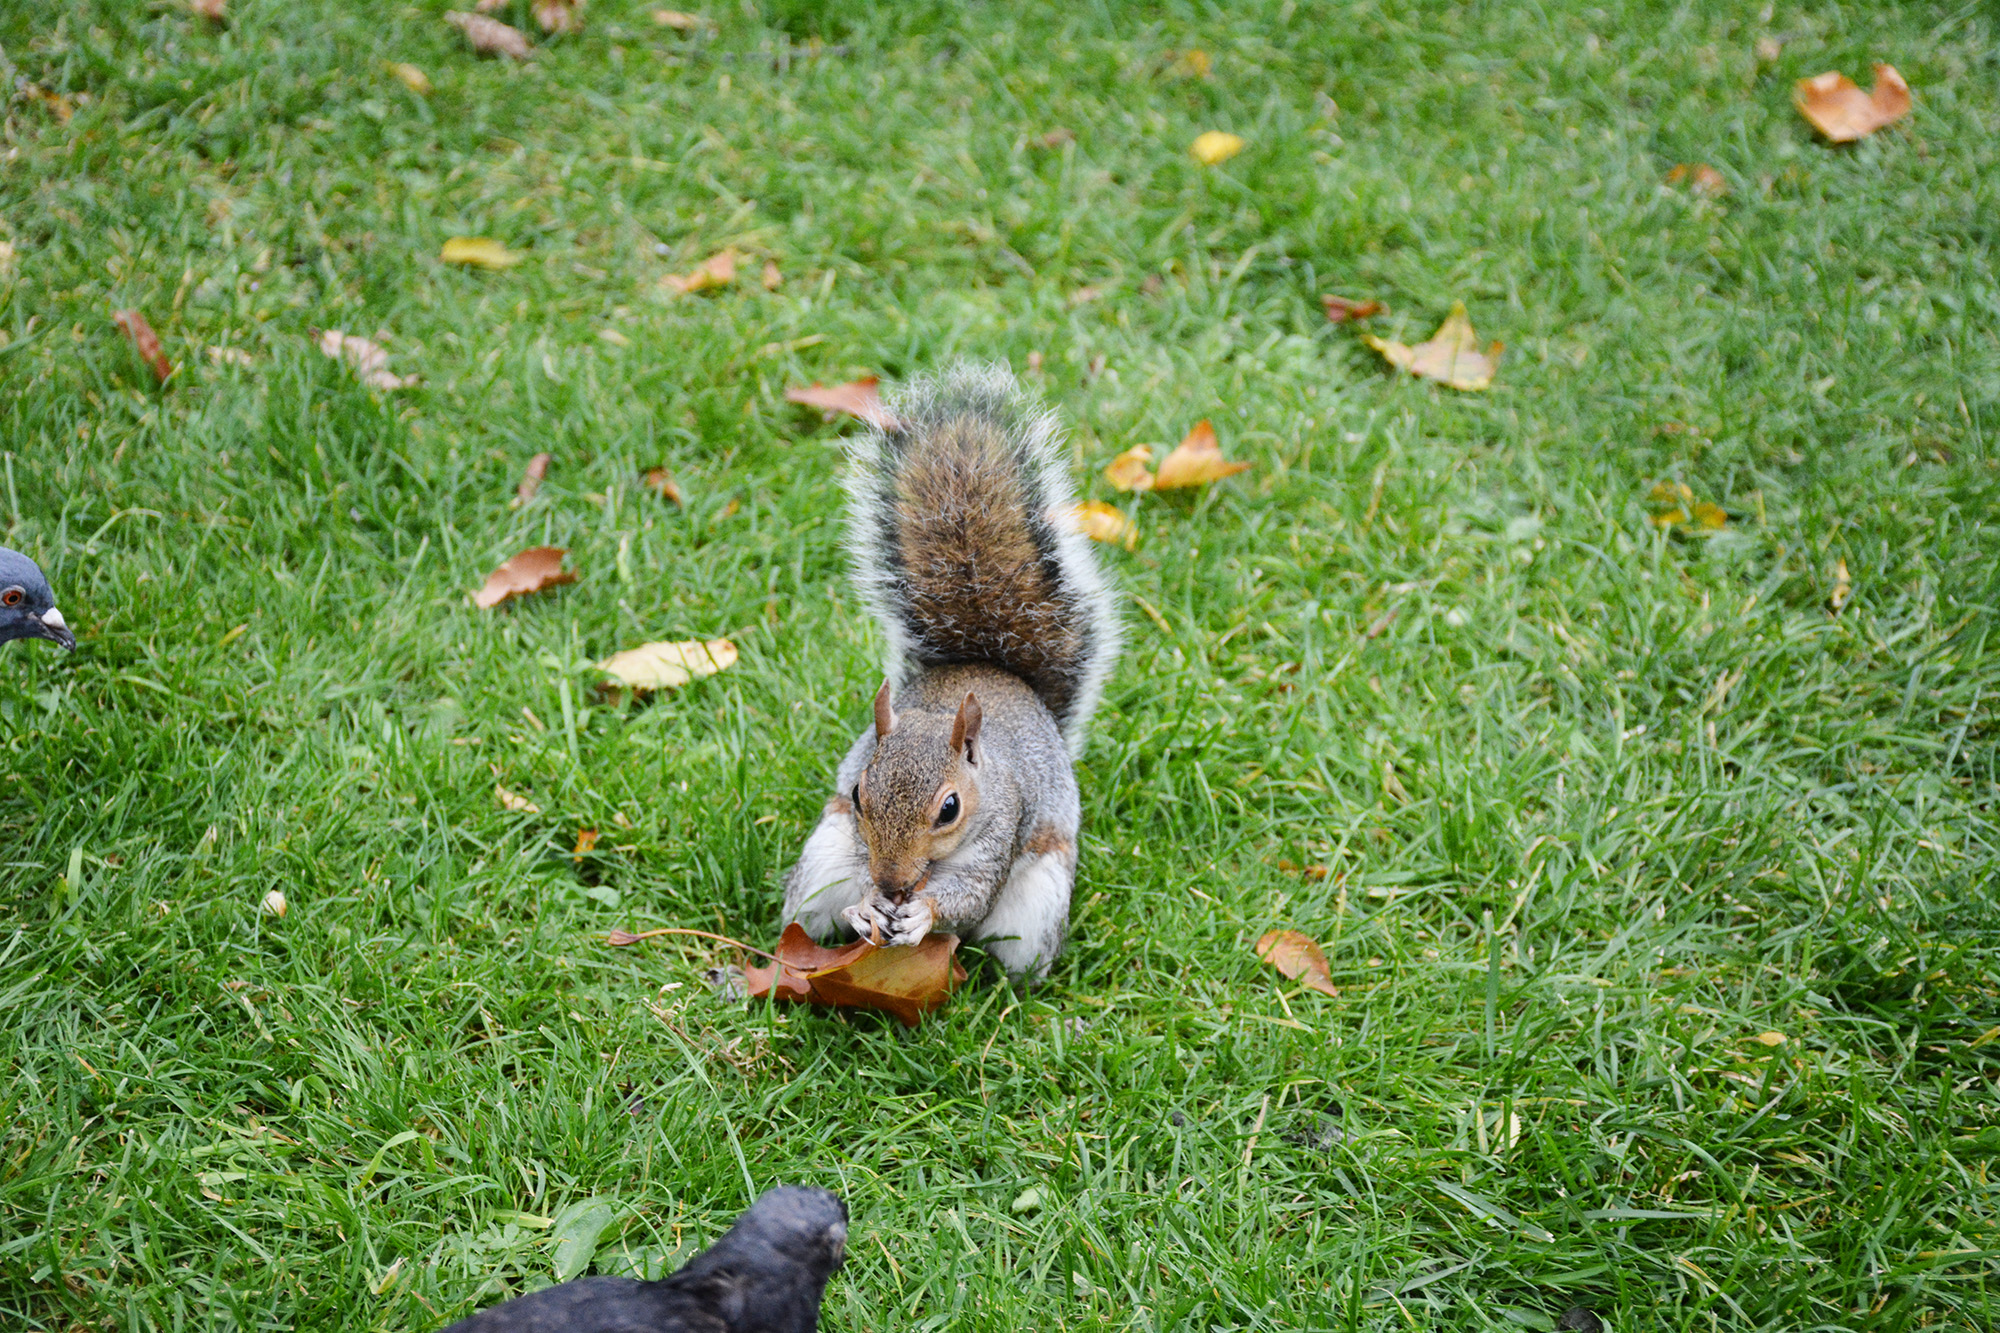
(1600,803)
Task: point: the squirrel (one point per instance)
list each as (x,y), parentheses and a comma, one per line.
(957,809)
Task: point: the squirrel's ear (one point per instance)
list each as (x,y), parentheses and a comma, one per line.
(965,728)
(885,713)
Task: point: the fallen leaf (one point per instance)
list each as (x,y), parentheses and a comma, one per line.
(1843,587)
(368,360)
(145,341)
(532,570)
(274,903)
(718,270)
(679,21)
(478,252)
(856,398)
(1771,1038)
(1341,309)
(1298,958)
(1674,506)
(1129,471)
(661,483)
(1190,64)
(772,278)
(1307,872)
(1710,517)
(1769,49)
(666,666)
(1106,523)
(559,15)
(7,254)
(55,103)
(413,78)
(1215,147)
(519,804)
(586,842)
(1452,356)
(1842,112)
(1195,461)
(1701,178)
(490,36)
(215,11)
(531,480)
(908,981)
(1055,138)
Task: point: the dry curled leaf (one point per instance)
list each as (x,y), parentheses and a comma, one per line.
(1700,178)
(412,78)
(532,570)
(368,360)
(1105,523)
(772,278)
(1298,958)
(1843,587)
(1215,147)
(586,842)
(489,36)
(661,483)
(274,903)
(858,398)
(718,270)
(478,252)
(1195,461)
(1675,508)
(666,666)
(145,341)
(1343,310)
(679,20)
(1451,357)
(514,801)
(1130,471)
(1839,109)
(559,15)
(908,981)
(531,480)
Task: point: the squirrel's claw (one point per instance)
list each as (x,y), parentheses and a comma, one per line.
(913,921)
(869,919)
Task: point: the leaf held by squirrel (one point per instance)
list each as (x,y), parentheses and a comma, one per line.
(766,1275)
(956,809)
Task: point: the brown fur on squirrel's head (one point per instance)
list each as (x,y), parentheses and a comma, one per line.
(920,792)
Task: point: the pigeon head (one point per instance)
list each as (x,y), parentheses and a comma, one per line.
(771,1268)
(27,607)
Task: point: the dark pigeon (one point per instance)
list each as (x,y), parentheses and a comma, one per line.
(766,1276)
(27,607)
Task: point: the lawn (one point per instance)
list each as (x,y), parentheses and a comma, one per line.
(1655,862)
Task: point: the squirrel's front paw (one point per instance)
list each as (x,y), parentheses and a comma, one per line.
(913,921)
(873,919)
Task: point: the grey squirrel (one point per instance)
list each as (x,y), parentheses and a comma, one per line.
(767,1275)
(957,809)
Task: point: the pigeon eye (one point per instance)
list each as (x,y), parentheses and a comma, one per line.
(11,597)
(948,812)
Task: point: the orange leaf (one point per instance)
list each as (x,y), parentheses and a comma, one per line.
(856,398)
(718,270)
(531,480)
(1128,471)
(532,570)
(489,35)
(1298,958)
(586,842)
(1195,461)
(1842,112)
(1342,309)
(1105,523)
(145,340)
(1701,178)
(1451,357)
(661,483)
(907,981)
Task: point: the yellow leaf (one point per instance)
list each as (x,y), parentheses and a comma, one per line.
(1215,147)
(1128,471)
(519,804)
(1106,523)
(1843,587)
(1710,516)
(663,666)
(413,78)
(1770,1038)
(1195,461)
(1452,356)
(479,252)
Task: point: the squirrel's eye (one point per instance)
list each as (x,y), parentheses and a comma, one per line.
(11,597)
(855,796)
(948,811)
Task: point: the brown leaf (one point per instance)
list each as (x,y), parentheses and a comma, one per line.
(1129,471)
(1701,178)
(1195,461)
(55,103)
(1842,112)
(145,341)
(908,981)
(490,36)
(1342,309)
(678,20)
(661,483)
(1298,958)
(368,360)
(856,398)
(559,15)
(1105,523)
(1452,356)
(772,278)
(532,570)
(586,842)
(531,480)
(718,270)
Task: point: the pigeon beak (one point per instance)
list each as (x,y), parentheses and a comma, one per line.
(56,628)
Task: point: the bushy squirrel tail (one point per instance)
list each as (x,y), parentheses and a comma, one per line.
(965,547)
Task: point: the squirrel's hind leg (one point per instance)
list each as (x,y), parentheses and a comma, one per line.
(832,872)
(1029,919)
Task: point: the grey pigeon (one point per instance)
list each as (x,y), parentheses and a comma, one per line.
(27,607)
(765,1276)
